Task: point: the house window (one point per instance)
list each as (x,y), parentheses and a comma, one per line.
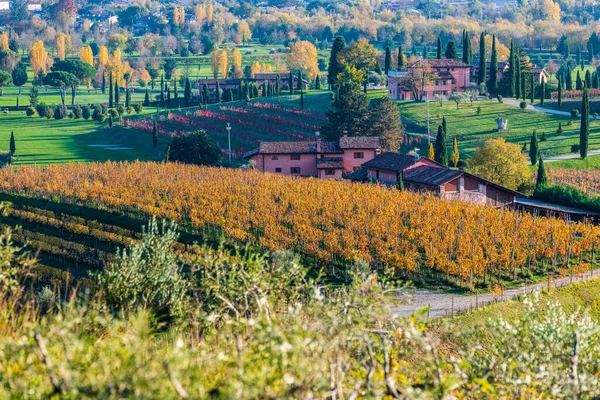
(274,158)
(277,169)
(436,83)
(330,172)
(359,155)
(295,170)
(295,156)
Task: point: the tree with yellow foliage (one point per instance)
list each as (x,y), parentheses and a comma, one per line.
(201,13)
(236,58)
(209,14)
(501,162)
(61,46)
(38,58)
(431,152)
(244,32)
(103,55)
(181,16)
(176,20)
(4,41)
(255,68)
(551,10)
(86,55)
(223,63)
(303,56)
(214,62)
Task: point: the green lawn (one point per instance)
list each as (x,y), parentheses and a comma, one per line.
(474,129)
(43,141)
(577,163)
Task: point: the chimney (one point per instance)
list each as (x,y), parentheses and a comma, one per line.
(318,145)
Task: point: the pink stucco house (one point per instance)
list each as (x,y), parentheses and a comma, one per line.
(450,76)
(322,159)
(419,174)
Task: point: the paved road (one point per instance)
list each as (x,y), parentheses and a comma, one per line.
(516,103)
(570,156)
(442,304)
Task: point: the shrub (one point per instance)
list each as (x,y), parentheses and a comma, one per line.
(570,122)
(113,112)
(500,99)
(574,113)
(138,108)
(523,105)
(560,128)
(567,196)
(98,115)
(478,110)
(130,110)
(543,137)
(86,112)
(60,112)
(30,112)
(575,148)
(120,111)
(49,112)
(77,112)
(195,148)
(42,110)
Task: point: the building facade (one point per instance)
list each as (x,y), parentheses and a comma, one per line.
(449,76)
(322,159)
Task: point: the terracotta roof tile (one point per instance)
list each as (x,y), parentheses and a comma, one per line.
(359,142)
(391,161)
(330,162)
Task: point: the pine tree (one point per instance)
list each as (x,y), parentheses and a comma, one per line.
(110,91)
(542,178)
(451,51)
(431,154)
(578,83)
(584,130)
(187,93)
(400,58)
(542,91)
(481,77)
(534,149)
(388,60)
(12,147)
(455,157)
(439,48)
(218,93)
(34,96)
(155,133)
(334,69)
(291,83)
(493,81)
(441,152)
(559,102)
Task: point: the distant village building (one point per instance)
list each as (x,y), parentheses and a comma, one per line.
(450,76)
(322,159)
(4,5)
(34,6)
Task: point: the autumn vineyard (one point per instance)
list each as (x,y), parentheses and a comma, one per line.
(332,223)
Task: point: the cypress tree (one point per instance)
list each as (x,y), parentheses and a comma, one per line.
(300,85)
(595,81)
(523,85)
(439,48)
(451,51)
(578,55)
(168,97)
(264,89)
(569,79)
(291,83)
(559,93)
(588,79)
(278,85)
(110,120)
(511,71)
(493,82)
(127,98)
(175,94)
(388,60)
(542,91)
(162,92)
(400,58)
(414,50)
(465,47)
(218,93)
(584,130)
(455,157)
(318,83)
(167,153)
(110,91)
(12,146)
(517,75)
(578,83)
(425,52)
(542,178)
(334,69)
(302,99)
(567,51)
(481,77)
(103,87)
(531,87)
(400,184)
(117,93)
(534,149)
(205,93)
(441,152)
(187,93)
(590,53)
(155,133)
(470,46)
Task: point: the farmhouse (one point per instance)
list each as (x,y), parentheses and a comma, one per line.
(284,79)
(449,76)
(420,174)
(322,159)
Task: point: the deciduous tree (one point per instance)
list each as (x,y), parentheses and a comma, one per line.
(500,162)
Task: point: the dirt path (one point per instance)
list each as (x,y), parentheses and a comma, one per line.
(442,304)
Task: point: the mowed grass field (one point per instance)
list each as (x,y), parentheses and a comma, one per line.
(44,141)
(473,129)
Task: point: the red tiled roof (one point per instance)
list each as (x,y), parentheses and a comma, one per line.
(359,142)
(391,161)
(355,142)
(447,63)
(330,162)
